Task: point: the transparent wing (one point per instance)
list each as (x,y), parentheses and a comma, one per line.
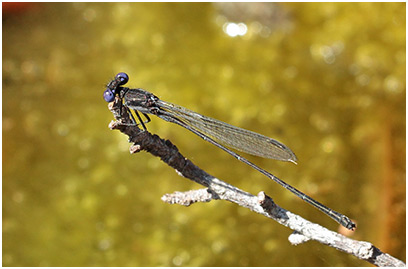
(229,135)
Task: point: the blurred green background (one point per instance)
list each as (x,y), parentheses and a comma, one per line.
(327,80)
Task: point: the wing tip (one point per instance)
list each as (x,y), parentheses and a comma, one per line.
(293,161)
(293,157)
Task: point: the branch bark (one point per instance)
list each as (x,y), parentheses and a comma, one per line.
(216,189)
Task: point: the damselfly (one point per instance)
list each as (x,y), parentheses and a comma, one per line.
(214,131)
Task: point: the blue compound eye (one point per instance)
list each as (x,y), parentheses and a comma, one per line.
(108,95)
(123,78)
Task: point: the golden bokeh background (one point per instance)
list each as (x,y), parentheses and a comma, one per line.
(326,79)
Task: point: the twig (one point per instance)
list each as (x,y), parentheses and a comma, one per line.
(304,230)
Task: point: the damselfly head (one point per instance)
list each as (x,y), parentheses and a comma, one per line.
(112,88)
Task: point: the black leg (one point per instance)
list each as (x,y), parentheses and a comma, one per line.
(147,118)
(141,121)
